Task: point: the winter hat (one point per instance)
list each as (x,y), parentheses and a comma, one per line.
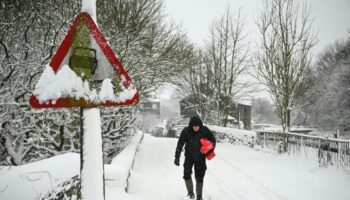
(195,121)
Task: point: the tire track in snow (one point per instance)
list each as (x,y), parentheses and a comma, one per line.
(268,193)
(219,181)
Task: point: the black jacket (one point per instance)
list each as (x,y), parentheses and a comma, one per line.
(192,141)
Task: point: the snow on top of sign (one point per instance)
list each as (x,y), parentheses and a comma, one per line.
(54,86)
(107,90)
(126,93)
(45,81)
(66,83)
(89,6)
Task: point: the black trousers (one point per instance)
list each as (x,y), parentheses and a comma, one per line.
(200,167)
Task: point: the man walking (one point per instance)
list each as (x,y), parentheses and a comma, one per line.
(191,136)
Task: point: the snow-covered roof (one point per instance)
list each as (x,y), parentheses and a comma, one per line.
(229,117)
(247,102)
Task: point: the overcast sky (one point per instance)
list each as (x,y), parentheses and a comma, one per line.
(331,17)
(331,21)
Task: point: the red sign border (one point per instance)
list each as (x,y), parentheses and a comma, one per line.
(60,55)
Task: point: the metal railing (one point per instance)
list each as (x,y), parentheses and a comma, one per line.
(327,151)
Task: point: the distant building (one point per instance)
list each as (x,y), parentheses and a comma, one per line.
(244,114)
(148,118)
(151,107)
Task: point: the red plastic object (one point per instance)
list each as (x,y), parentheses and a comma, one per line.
(211,155)
(206,147)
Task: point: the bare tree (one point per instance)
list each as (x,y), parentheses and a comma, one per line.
(195,86)
(152,51)
(228,59)
(285,50)
(211,79)
(329,94)
(29,33)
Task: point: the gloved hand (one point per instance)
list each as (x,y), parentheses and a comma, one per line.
(209,152)
(177,161)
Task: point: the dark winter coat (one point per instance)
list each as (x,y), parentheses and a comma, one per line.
(192,139)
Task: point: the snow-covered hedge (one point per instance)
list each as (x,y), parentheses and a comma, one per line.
(233,135)
(67,190)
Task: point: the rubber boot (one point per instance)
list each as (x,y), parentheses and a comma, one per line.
(199,190)
(189,186)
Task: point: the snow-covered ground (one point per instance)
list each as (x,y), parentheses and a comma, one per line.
(237,172)
(30,181)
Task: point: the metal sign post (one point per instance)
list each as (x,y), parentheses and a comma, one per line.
(91,155)
(81,50)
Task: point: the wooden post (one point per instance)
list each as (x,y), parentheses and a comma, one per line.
(301,145)
(338,147)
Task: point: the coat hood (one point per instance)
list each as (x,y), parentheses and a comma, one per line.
(195,121)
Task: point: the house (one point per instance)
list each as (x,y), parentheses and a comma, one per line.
(151,107)
(149,116)
(244,114)
(231,121)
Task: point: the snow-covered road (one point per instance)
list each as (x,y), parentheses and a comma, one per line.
(237,172)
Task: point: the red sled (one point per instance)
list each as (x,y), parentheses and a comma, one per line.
(206,147)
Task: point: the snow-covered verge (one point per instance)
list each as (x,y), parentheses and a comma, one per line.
(116,175)
(118,172)
(33,180)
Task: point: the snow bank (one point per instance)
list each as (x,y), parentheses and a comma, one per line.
(117,173)
(30,181)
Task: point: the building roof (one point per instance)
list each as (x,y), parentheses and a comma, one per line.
(229,117)
(246,102)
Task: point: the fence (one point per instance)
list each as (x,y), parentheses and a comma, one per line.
(328,151)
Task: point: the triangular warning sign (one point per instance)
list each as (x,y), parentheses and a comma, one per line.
(66,83)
